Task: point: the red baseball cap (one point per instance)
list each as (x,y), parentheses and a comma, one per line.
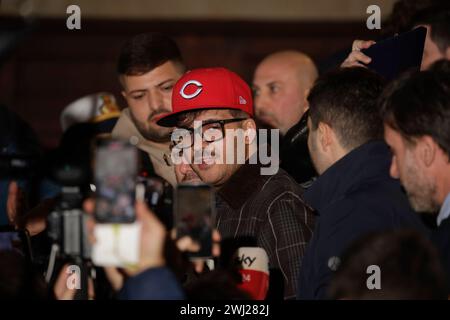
(208,88)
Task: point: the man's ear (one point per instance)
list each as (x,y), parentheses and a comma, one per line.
(124,94)
(447,53)
(325,135)
(427,150)
(249,127)
(306,93)
(305,100)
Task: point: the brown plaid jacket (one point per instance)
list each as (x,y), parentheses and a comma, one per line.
(271,211)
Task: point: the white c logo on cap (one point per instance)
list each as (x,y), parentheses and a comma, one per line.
(192,95)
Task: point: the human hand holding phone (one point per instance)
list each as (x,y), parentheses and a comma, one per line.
(152,239)
(356,58)
(187,244)
(392,56)
(195,217)
(117,232)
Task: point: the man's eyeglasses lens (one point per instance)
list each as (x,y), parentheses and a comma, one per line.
(213,131)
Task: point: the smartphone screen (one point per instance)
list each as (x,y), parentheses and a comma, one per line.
(195,215)
(115,174)
(158,196)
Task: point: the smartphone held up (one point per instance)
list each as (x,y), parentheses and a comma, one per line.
(116,166)
(118,185)
(195,216)
(117,232)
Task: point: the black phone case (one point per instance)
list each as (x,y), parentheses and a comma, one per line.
(202,233)
(397,54)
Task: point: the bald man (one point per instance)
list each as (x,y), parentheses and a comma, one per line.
(281,83)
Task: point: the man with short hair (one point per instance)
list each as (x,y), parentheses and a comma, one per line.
(281,84)
(253,209)
(353,194)
(148,67)
(416,111)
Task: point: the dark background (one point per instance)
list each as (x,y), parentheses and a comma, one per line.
(54,66)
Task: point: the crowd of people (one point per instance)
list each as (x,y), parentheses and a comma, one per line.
(363,181)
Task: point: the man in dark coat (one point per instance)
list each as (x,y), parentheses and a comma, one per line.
(354,194)
(416,111)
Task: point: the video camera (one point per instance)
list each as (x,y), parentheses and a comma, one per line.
(67,223)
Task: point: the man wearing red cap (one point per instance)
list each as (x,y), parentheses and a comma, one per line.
(267,210)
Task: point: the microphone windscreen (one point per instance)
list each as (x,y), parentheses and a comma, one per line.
(253,265)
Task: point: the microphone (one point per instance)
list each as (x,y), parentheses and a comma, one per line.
(253,265)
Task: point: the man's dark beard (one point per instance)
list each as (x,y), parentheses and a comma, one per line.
(157,135)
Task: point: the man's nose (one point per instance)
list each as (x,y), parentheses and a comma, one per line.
(262,103)
(155,100)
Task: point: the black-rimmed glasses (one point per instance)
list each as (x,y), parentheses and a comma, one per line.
(211,131)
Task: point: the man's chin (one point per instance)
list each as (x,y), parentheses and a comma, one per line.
(422,205)
(191,180)
(266,123)
(156,134)
(205,172)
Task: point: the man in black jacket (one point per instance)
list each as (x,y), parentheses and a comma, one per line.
(354,194)
(281,83)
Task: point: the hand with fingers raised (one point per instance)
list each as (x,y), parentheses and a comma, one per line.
(356,58)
